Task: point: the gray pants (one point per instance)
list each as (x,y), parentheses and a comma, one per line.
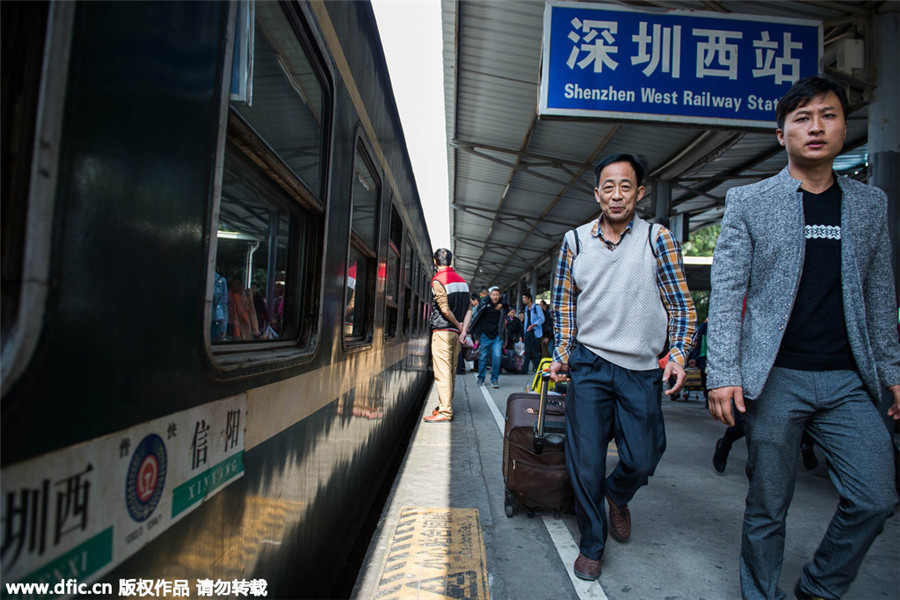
(841,417)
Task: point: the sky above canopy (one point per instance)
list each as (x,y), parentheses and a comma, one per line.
(411,35)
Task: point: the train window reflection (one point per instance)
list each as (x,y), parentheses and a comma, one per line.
(392,282)
(408,279)
(418,303)
(288,101)
(359,309)
(253,287)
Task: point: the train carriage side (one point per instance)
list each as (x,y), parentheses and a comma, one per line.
(215,290)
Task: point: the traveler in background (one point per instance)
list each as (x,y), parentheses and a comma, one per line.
(810,253)
(534,318)
(697,357)
(619,286)
(736,432)
(218,318)
(278,312)
(478,302)
(450,315)
(514,330)
(461,359)
(547,328)
(259,305)
(492,329)
(241,314)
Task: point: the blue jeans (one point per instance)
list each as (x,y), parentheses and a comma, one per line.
(494,345)
(839,414)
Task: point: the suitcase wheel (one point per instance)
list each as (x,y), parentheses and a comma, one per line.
(510,504)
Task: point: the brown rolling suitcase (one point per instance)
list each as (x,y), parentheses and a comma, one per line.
(534,459)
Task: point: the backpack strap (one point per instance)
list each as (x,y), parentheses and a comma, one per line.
(573,242)
(652,236)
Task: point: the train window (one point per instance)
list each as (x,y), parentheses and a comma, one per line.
(36,46)
(392,283)
(268,238)
(24,28)
(359,310)
(288,101)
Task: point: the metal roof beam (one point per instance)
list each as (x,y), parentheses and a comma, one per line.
(475,242)
(701,150)
(522,154)
(519,166)
(489,215)
(726,177)
(545,220)
(718,199)
(515,167)
(504,217)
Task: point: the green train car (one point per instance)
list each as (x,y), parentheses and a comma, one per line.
(215,295)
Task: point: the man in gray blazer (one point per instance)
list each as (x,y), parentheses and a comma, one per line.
(817,343)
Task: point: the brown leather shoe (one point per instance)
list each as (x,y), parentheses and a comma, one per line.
(438,418)
(587,569)
(619,521)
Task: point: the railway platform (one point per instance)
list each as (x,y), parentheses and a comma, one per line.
(444,534)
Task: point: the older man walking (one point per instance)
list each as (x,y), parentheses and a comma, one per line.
(619,287)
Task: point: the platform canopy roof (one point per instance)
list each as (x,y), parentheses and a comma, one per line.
(518,181)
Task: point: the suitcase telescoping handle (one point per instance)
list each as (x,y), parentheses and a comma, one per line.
(554,438)
(542,407)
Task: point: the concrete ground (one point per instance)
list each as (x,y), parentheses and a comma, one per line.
(686,523)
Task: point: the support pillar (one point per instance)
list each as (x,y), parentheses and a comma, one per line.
(884,124)
(662,200)
(518,295)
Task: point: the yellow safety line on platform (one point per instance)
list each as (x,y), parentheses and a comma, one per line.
(435,553)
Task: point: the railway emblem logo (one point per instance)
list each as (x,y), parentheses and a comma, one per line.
(146,477)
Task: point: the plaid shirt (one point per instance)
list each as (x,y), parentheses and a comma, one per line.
(673,289)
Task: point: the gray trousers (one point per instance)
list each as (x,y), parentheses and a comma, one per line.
(841,417)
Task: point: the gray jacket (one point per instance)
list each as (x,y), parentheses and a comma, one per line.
(760,255)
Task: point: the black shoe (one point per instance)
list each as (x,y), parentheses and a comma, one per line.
(810,461)
(801,595)
(720,456)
